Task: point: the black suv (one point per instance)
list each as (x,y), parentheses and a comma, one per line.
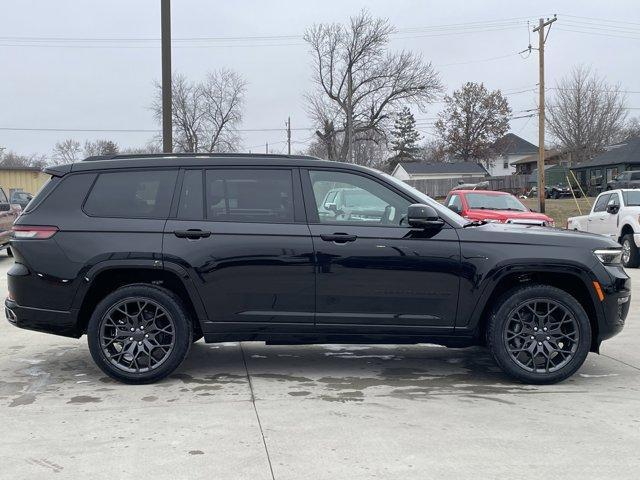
(148,254)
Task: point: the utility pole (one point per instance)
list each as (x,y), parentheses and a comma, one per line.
(167,130)
(349,116)
(541,153)
(288,124)
(266,147)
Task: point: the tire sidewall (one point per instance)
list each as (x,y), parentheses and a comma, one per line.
(634,256)
(183,328)
(500,316)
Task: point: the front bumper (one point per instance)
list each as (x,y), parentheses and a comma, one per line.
(616,303)
(41,320)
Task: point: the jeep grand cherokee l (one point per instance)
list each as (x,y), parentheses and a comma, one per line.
(146,254)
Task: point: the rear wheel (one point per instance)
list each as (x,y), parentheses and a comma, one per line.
(539,334)
(630,255)
(139,334)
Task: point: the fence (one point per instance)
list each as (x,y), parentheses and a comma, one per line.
(440,187)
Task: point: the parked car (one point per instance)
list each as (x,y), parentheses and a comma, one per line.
(628,179)
(346,204)
(492,206)
(19,197)
(8,213)
(146,254)
(556,191)
(614,214)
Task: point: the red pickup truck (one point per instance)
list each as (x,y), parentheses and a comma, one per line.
(8,213)
(492,206)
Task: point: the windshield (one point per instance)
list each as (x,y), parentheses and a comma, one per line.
(445,213)
(631,198)
(494,202)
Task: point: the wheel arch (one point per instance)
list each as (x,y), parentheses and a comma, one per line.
(626,229)
(572,281)
(104,279)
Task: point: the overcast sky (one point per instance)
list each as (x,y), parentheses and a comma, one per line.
(83,83)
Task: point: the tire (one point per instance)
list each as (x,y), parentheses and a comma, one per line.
(519,360)
(630,255)
(555,195)
(9,252)
(166,340)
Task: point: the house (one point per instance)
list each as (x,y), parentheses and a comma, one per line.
(424,171)
(595,173)
(28,179)
(526,165)
(508,149)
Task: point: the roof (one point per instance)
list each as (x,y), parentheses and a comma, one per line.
(512,144)
(548,155)
(626,152)
(190,160)
(489,192)
(420,168)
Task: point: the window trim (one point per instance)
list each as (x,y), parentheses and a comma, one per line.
(97,174)
(310,204)
(605,203)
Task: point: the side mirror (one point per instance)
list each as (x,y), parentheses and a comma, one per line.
(332,207)
(423,216)
(5,207)
(613,209)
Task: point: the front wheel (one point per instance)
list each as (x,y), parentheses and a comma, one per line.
(139,333)
(630,254)
(539,334)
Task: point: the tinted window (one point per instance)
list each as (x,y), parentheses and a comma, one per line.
(358,200)
(191,205)
(601,203)
(614,199)
(635,176)
(141,194)
(3,197)
(250,196)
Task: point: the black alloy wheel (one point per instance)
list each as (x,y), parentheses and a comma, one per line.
(539,334)
(139,333)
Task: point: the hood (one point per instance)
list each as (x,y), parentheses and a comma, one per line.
(506,214)
(535,235)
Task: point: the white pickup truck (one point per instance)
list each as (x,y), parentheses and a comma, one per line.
(615,213)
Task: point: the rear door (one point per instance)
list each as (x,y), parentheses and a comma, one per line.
(242,235)
(610,225)
(7,216)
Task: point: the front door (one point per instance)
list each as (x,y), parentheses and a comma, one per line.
(372,270)
(599,216)
(243,237)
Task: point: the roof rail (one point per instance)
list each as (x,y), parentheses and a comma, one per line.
(188,155)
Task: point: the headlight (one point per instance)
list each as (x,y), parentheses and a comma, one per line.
(609,256)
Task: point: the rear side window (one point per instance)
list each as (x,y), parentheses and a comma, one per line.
(635,176)
(264,196)
(140,194)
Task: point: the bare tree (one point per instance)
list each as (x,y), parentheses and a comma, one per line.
(67,151)
(15,160)
(361,82)
(100,147)
(631,129)
(586,113)
(205,114)
(472,120)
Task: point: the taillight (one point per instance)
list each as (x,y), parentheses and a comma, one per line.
(40,232)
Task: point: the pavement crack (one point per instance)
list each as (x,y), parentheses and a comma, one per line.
(255,409)
(620,361)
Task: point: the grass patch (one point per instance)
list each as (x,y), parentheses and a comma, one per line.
(562,208)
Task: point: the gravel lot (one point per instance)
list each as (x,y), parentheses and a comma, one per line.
(315,412)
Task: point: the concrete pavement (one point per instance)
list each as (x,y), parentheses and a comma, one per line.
(315,412)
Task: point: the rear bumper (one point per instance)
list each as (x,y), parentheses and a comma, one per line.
(41,320)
